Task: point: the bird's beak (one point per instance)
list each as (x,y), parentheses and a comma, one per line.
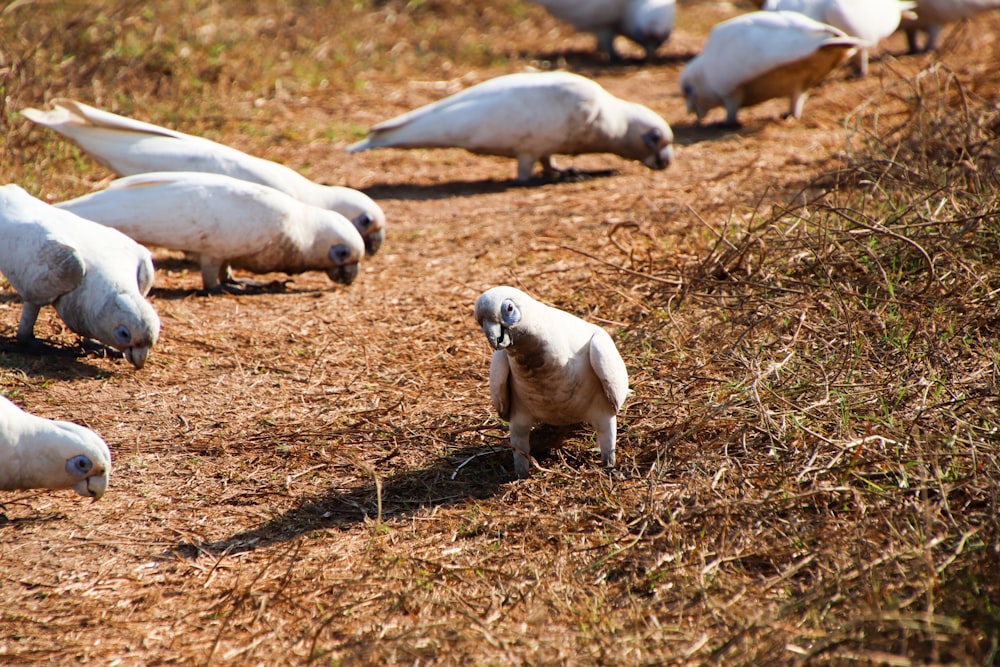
(374,241)
(136,356)
(344,274)
(498,336)
(660,160)
(94,486)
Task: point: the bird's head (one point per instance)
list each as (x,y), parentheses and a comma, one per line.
(85,458)
(371,226)
(126,322)
(498,312)
(650,138)
(338,247)
(693,89)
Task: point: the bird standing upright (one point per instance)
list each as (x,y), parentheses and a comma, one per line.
(550,367)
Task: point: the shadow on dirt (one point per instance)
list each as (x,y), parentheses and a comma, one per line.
(471,188)
(469,473)
(591,62)
(42,358)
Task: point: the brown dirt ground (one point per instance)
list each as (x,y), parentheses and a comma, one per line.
(253,454)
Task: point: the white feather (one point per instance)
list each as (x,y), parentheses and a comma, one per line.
(39,453)
(552,368)
(531,117)
(933,15)
(227,222)
(645,22)
(757,56)
(870,21)
(95,277)
(128,146)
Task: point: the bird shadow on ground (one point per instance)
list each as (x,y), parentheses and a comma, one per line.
(42,358)
(472,188)
(469,473)
(690,133)
(590,62)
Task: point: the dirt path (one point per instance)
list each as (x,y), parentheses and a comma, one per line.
(262,420)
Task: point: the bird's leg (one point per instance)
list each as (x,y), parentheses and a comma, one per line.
(732,106)
(933,34)
(861,63)
(520,441)
(796,102)
(26,327)
(607,433)
(911,41)
(606,43)
(526,164)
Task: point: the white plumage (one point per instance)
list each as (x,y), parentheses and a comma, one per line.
(758,56)
(39,453)
(933,15)
(531,117)
(227,222)
(550,367)
(128,147)
(95,277)
(648,23)
(870,21)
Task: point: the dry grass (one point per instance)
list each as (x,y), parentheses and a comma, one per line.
(808,311)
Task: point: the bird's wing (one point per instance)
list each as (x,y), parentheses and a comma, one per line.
(38,261)
(211,214)
(128,146)
(500,388)
(499,116)
(744,48)
(585,14)
(67,113)
(610,368)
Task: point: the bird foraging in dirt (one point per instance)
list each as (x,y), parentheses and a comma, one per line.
(95,277)
(870,21)
(531,116)
(550,367)
(227,222)
(755,57)
(129,147)
(39,453)
(933,15)
(648,23)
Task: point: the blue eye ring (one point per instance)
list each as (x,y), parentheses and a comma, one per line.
(79,466)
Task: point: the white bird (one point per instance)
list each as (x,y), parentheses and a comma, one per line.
(932,15)
(531,116)
(39,453)
(758,56)
(128,146)
(870,21)
(227,222)
(648,23)
(95,277)
(550,367)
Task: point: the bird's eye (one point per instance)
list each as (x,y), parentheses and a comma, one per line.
(78,466)
(652,139)
(340,253)
(363,222)
(509,314)
(123,335)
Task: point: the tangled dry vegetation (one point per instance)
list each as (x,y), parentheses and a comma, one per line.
(810,467)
